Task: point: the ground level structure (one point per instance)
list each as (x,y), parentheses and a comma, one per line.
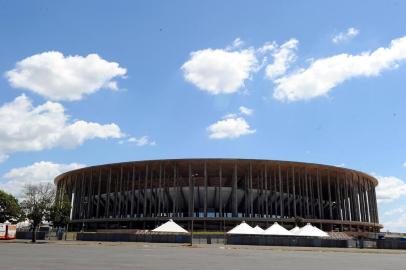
(217,194)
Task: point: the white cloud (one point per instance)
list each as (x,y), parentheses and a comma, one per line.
(345,36)
(229,128)
(237,43)
(267,47)
(395,211)
(340,165)
(326,73)
(389,189)
(246,111)
(39,172)
(397,225)
(56,77)
(230,115)
(220,71)
(404,164)
(283,56)
(141,141)
(24,127)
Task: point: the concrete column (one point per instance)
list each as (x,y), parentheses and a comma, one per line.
(205,190)
(267,192)
(329,196)
(220,195)
(307,195)
(319,201)
(145,191)
(294,192)
(98,194)
(191,192)
(132,192)
(280,192)
(108,195)
(234,190)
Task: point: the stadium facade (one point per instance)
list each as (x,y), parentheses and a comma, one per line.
(216,194)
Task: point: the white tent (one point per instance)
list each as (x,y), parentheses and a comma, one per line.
(310,230)
(277,229)
(170,226)
(242,228)
(258,230)
(295,230)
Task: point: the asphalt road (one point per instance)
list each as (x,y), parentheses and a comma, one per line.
(77,255)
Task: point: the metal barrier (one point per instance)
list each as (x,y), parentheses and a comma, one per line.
(396,243)
(123,237)
(28,235)
(271,240)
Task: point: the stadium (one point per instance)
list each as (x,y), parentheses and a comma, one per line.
(217,194)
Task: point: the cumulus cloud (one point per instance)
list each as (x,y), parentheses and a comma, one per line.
(395,211)
(141,141)
(326,73)
(237,43)
(397,225)
(389,189)
(345,36)
(246,111)
(283,57)
(220,71)
(39,172)
(267,47)
(58,77)
(24,127)
(230,128)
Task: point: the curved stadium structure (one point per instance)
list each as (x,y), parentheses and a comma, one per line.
(217,194)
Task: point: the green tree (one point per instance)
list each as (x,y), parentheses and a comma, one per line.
(37,204)
(9,208)
(60,212)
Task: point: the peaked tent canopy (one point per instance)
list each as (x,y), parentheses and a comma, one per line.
(258,230)
(170,226)
(295,230)
(310,230)
(277,229)
(242,228)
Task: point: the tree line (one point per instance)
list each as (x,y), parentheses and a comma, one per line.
(39,203)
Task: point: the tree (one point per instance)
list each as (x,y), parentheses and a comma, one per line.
(9,208)
(60,212)
(37,204)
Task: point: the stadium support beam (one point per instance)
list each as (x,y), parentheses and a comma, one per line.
(294,192)
(132,192)
(280,191)
(234,192)
(220,193)
(205,190)
(98,194)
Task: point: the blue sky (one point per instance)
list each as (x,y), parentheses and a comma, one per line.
(124,80)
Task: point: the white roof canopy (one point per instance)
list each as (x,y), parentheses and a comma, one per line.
(170,226)
(277,229)
(295,230)
(242,228)
(258,230)
(310,230)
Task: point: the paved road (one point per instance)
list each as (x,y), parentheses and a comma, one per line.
(79,255)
